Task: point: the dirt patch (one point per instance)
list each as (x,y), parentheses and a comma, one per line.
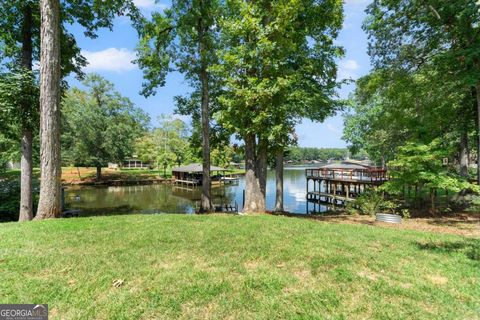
(368,275)
(438,280)
(252,265)
(83,175)
(464,224)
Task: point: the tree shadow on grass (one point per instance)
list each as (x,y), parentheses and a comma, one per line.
(469,247)
(467,219)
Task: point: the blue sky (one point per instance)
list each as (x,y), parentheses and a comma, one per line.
(110,55)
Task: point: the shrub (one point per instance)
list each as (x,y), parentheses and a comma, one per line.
(371,202)
(10,199)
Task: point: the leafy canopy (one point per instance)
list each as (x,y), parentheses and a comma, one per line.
(100,125)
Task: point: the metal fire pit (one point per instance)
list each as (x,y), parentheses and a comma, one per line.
(389,218)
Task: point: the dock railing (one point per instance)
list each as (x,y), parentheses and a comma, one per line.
(364,175)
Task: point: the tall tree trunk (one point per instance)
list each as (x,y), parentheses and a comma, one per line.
(206,198)
(99,173)
(261,169)
(49,205)
(26,162)
(463,154)
(252,183)
(279,180)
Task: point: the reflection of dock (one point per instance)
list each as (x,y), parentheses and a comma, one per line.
(337,184)
(229,180)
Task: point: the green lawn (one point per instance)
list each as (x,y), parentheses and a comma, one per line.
(237,267)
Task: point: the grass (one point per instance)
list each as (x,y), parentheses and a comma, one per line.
(74,174)
(237,267)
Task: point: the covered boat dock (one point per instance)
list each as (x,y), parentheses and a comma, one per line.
(338,183)
(192,174)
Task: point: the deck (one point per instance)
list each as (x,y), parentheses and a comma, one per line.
(338,186)
(372,176)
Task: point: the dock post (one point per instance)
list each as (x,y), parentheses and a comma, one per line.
(243,199)
(62,203)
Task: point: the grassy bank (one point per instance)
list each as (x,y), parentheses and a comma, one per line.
(73,175)
(262,267)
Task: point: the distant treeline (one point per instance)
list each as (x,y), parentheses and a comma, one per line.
(299,154)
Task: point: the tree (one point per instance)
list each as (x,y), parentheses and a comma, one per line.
(439,35)
(421,165)
(20,42)
(18,104)
(167,144)
(392,107)
(184,36)
(278,66)
(49,203)
(100,126)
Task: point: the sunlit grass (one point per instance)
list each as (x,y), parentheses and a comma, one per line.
(259,267)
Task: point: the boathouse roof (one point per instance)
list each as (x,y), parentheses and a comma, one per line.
(348,165)
(196,167)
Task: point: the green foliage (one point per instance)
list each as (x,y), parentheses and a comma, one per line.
(423,85)
(99,125)
(222,156)
(171,40)
(371,202)
(390,108)
(89,14)
(278,65)
(9,151)
(10,198)
(298,154)
(422,165)
(171,143)
(167,144)
(18,88)
(473,203)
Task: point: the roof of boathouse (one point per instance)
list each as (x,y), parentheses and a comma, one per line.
(349,165)
(196,167)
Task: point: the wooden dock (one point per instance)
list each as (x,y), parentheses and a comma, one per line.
(338,186)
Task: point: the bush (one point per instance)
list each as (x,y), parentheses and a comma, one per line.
(371,202)
(473,203)
(10,199)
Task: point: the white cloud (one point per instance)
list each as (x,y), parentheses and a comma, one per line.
(111,59)
(149,4)
(144,3)
(332,128)
(347,69)
(356,2)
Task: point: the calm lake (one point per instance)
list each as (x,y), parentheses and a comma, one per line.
(166,198)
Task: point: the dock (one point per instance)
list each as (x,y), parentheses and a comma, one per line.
(338,184)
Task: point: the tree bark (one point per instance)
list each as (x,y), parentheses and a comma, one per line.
(26,171)
(206,198)
(261,169)
(463,154)
(279,180)
(49,205)
(253,198)
(99,174)
(26,162)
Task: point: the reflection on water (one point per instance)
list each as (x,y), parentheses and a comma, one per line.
(164,198)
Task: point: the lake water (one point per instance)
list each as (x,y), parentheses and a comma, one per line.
(166,198)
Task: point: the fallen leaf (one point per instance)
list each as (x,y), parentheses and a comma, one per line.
(118,283)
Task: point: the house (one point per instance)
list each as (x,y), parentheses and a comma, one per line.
(135,163)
